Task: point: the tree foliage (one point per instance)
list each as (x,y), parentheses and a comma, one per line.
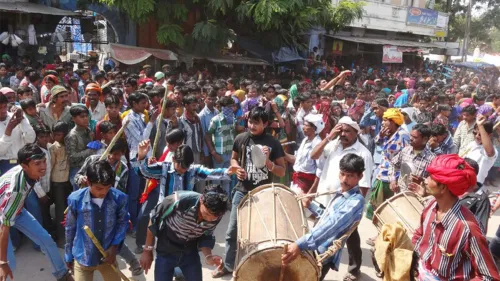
(274,23)
(485,17)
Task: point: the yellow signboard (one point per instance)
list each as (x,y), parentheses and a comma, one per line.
(337,46)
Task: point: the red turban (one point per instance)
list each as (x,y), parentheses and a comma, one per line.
(452,170)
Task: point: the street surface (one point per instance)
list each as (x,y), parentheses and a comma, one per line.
(33,266)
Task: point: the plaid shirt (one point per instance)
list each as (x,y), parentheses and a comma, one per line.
(420,161)
(171,181)
(463,136)
(222,134)
(454,248)
(391,147)
(136,131)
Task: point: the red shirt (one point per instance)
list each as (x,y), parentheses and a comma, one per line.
(454,248)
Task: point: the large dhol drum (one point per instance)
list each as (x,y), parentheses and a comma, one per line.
(404,207)
(270,217)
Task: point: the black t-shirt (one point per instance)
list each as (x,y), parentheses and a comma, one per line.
(255,177)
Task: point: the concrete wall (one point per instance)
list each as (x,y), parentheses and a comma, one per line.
(391,15)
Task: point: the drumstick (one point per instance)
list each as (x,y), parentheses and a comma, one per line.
(101,250)
(111,144)
(283,267)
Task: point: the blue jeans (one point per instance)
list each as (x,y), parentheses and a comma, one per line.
(135,186)
(143,219)
(189,263)
(226,185)
(32,205)
(231,232)
(72,174)
(28,225)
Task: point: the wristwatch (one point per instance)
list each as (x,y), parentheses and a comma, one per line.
(148,248)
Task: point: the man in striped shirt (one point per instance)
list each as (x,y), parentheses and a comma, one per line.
(184,223)
(15,185)
(449,242)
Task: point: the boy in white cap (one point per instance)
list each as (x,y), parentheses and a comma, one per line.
(305,169)
(159,78)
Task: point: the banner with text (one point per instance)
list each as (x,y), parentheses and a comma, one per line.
(421,16)
(392,54)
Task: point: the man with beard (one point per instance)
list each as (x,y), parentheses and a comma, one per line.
(15,185)
(58,107)
(417,154)
(343,140)
(449,242)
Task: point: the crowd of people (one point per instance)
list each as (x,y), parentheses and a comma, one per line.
(171,151)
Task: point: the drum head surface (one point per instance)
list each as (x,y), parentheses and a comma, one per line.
(266,266)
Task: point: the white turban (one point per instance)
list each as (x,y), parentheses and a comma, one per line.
(348,121)
(316,120)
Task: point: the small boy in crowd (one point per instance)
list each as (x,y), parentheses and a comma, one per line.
(105,211)
(24,93)
(112,104)
(59,177)
(76,141)
(43,139)
(29,108)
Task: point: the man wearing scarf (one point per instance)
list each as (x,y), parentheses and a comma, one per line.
(450,242)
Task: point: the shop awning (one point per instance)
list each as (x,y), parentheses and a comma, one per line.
(33,8)
(377,41)
(133,55)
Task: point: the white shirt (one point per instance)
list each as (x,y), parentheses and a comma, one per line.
(45,180)
(329,178)
(22,134)
(303,161)
(476,152)
(99,112)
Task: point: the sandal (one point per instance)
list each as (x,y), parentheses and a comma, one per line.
(350,277)
(218,273)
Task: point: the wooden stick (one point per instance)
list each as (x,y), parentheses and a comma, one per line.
(111,144)
(103,253)
(283,267)
(114,140)
(158,132)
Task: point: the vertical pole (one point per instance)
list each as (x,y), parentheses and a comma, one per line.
(467,32)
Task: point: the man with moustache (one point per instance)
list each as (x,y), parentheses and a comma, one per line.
(449,242)
(58,107)
(343,140)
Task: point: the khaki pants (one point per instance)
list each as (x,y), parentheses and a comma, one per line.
(86,273)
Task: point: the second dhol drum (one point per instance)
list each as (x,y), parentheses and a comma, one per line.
(270,217)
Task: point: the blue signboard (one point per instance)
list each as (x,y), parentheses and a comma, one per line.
(421,16)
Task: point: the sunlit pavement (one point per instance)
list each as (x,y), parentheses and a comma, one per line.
(33,266)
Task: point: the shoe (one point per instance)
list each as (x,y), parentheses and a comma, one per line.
(220,273)
(179,278)
(135,268)
(138,250)
(66,277)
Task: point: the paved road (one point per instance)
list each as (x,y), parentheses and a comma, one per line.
(33,265)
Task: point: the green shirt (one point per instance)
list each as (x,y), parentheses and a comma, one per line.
(222,134)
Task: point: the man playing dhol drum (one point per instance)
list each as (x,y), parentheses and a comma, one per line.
(343,212)
(449,241)
(249,174)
